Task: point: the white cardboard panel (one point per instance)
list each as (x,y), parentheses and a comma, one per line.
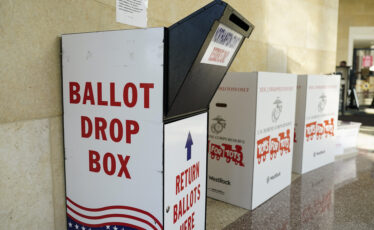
(118,58)
(227,180)
(275,114)
(259,106)
(315,140)
(185,173)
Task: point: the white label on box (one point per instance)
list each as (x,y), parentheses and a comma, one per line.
(132,12)
(222,47)
(113,129)
(185,173)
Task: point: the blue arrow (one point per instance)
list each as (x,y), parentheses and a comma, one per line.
(189,143)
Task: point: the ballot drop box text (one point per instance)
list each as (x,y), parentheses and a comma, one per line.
(135,120)
(251,125)
(316,121)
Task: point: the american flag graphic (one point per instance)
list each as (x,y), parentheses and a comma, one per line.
(109,218)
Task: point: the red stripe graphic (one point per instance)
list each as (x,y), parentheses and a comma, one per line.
(104,224)
(116,215)
(112,215)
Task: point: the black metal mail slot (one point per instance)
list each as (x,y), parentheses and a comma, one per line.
(194,69)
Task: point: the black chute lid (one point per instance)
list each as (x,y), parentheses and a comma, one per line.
(190,84)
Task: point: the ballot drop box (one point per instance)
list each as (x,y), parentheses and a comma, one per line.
(135,119)
(316,121)
(251,126)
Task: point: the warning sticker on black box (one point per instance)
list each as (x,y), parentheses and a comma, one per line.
(222,46)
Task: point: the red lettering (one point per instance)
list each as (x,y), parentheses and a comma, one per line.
(185,204)
(193,220)
(310,130)
(74,92)
(189,223)
(123,169)
(129,94)
(180,211)
(93,161)
(285,142)
(181,184)
(88,94)
(262,149)
(191,198)
(116,129)
(86,132)
(100,126)
(319,130)
(185,175)
(195,190)
(329,127)
(177,183)
(146,87)
(109,164)
(113,101)
(110,171)
(185,223)
(274,147)
(198,192)
(132,127)
(119,136)
(175,213)
(134,94)
(99,95)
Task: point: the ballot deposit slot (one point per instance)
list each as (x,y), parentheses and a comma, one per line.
(251,125)
(135,117)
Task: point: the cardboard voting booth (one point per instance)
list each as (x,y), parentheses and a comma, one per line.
(135,119)
(251,125)
(316,121)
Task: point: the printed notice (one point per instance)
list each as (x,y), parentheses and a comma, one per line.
(132,12)
(224,43)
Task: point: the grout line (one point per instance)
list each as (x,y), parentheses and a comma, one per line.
(105,4)
(31,119)
(51,170)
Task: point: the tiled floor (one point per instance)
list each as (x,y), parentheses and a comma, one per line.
(337,196)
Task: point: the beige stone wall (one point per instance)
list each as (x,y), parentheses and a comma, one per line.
(297,36)
(352,13)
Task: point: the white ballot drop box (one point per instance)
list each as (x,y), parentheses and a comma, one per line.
(316,121)
(135,119)
(251,126)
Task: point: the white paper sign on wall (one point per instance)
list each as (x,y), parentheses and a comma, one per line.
(132,12)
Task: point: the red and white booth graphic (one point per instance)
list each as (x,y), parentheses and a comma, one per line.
(125,167)
(316,121)
(251,126)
